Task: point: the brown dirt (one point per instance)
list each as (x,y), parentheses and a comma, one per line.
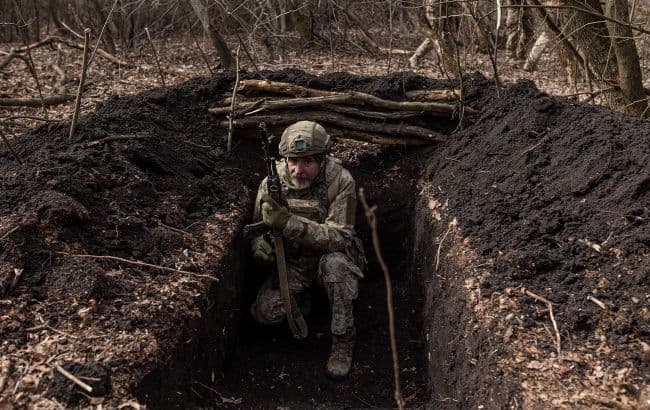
(532,182)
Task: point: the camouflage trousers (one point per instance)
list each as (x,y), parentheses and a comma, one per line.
(335,271)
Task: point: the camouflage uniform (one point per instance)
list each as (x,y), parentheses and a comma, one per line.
(320,243)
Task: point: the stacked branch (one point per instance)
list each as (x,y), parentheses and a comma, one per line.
(352,115)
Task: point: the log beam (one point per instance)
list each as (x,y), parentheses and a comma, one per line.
(335,132)
(348,98)
(341,121)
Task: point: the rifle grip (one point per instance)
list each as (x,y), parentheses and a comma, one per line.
(253,230)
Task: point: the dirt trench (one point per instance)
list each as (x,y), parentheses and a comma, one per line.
(536,193)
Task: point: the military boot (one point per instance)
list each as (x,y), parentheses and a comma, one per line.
(340,360)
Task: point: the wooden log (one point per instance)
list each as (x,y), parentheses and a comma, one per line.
(254,107)
(341,121)
(434,95)
(351,98)
(252,133)
(277,87)
(36,102)
(374,138)
(378,115)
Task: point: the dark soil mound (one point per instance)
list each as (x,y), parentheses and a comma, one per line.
(553,190)
(556,196)
(145,179)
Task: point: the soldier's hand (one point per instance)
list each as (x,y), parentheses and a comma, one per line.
(273,214)
(263,252)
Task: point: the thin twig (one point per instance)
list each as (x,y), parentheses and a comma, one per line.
(196,42)
(26,117)
(241,42)
(79,36)
(101,33)
(84,66)
(10,148)
(372,221)
(550,313)
(73,379)
(114,138)
(597,302)
(138,263)
(30,61)
(178,231)
(233,101)
(155,55)
(451,225)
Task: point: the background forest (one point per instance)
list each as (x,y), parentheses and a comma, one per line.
(593,50)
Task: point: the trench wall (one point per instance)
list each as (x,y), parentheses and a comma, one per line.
(204,341)
(460,348)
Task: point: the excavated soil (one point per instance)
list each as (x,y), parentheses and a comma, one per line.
(535,192)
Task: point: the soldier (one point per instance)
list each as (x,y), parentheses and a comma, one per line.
(318,230)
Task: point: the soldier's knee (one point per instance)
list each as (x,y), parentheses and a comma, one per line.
(334,267)
(268,308)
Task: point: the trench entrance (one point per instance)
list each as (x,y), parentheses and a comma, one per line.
(269,368)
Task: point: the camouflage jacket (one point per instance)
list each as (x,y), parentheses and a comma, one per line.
(323,215)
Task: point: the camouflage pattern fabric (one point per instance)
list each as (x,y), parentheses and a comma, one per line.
(320,244)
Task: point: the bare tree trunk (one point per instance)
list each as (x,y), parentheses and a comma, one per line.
(629,69)
(591,36)
(435,26)
(209,25)
(420,52)
(536,51)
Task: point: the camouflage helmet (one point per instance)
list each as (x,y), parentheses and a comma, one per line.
(304,138)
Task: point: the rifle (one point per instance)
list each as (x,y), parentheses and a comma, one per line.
(296,322)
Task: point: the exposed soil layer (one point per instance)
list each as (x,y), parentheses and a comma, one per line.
(552,196)
(547,194)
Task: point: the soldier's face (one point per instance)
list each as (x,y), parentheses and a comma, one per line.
(303,170)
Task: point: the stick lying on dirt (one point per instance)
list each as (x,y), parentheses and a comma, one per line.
(138,263)
(395,130)
(53,40)
(73,379)
(550,313)
(36,102)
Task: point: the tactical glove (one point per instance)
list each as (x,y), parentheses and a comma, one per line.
(273,214)
(263,252)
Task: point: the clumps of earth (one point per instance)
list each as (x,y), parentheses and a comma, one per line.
(121,258)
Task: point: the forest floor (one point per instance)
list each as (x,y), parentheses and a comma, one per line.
(551,194)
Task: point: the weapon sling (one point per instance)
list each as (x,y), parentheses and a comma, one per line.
(295,319)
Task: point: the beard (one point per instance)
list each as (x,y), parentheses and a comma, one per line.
(301,183)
